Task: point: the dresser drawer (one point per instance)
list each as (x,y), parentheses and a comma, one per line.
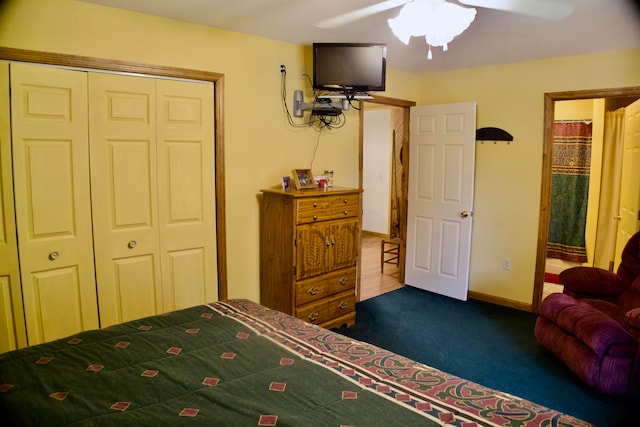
(315,312)
(341,304)
(342,280)
(312,210)
(311,290)
(345,206)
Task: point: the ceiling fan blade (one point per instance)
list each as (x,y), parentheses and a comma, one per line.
(350,17)
(547,9)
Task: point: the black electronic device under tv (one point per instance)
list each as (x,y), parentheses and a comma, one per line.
(349,68)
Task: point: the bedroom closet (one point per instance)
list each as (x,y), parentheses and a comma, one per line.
(108,184)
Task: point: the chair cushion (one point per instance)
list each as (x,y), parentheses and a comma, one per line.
(595,329)
(588,282)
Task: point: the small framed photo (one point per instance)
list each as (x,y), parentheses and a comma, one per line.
(303,179)
(286,183)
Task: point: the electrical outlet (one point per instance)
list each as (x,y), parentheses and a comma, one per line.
(506,264)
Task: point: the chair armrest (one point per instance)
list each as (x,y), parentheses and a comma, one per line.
(592,282)
(633,317)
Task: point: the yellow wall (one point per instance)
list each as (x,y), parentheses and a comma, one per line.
(508,177)
(261,147)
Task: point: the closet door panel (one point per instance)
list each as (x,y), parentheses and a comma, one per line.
(186,193)
(124,191)
(52,200)
(12,328)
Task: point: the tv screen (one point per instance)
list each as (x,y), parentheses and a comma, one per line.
(349,67)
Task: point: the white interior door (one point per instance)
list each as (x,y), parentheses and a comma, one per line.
(440,193)
(629,211)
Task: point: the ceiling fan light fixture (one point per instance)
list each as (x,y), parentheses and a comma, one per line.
(437,20)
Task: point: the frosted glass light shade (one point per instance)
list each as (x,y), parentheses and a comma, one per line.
(437,20)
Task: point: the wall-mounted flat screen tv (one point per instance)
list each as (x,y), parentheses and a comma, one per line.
(349,67)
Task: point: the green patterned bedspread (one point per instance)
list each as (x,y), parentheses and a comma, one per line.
(236,363)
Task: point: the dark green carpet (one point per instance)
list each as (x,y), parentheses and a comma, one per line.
(485,343)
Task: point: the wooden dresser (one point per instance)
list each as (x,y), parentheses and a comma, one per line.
(309,252)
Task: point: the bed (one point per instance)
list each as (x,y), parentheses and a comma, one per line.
(237,363)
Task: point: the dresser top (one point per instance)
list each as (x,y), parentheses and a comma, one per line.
(313,192)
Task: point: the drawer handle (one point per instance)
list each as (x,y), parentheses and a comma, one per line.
(313,291)
(315,205)
(313,317)
(343,281)
(53,256)
(342,305)
(333,241)
(346,212)
(132,244)
(345,201)
(315,218)
(327,242)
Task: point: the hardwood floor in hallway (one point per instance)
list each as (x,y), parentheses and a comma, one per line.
(373,282)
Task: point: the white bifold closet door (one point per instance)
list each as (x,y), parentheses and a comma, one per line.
(50,146)
(152,179)
(114,180)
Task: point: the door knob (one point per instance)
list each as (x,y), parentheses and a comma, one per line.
(53,256)
(464,214)
(132,244)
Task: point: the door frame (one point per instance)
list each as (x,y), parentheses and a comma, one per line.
(547,157)
(86,62)
(405,105)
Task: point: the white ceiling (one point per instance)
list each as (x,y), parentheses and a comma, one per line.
(494,37)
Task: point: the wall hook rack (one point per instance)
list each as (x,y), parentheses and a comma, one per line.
(493,134)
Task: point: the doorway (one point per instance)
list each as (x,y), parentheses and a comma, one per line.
(545,195)
(401,117)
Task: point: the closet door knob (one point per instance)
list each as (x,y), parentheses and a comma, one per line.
(132,244)
(53,255)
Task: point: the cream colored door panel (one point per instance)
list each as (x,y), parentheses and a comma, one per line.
(122,121)
(187,272)
(52,200)
(134,281)
(55,298)
(186,190)
(8,336)
(12,329)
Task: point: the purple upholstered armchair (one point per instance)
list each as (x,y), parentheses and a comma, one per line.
(594,325)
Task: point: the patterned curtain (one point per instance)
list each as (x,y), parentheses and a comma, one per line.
(569,190)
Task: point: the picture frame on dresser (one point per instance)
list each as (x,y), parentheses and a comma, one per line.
(303,179)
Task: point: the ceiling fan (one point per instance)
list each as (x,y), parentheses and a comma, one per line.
(439,21)
(546,9)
